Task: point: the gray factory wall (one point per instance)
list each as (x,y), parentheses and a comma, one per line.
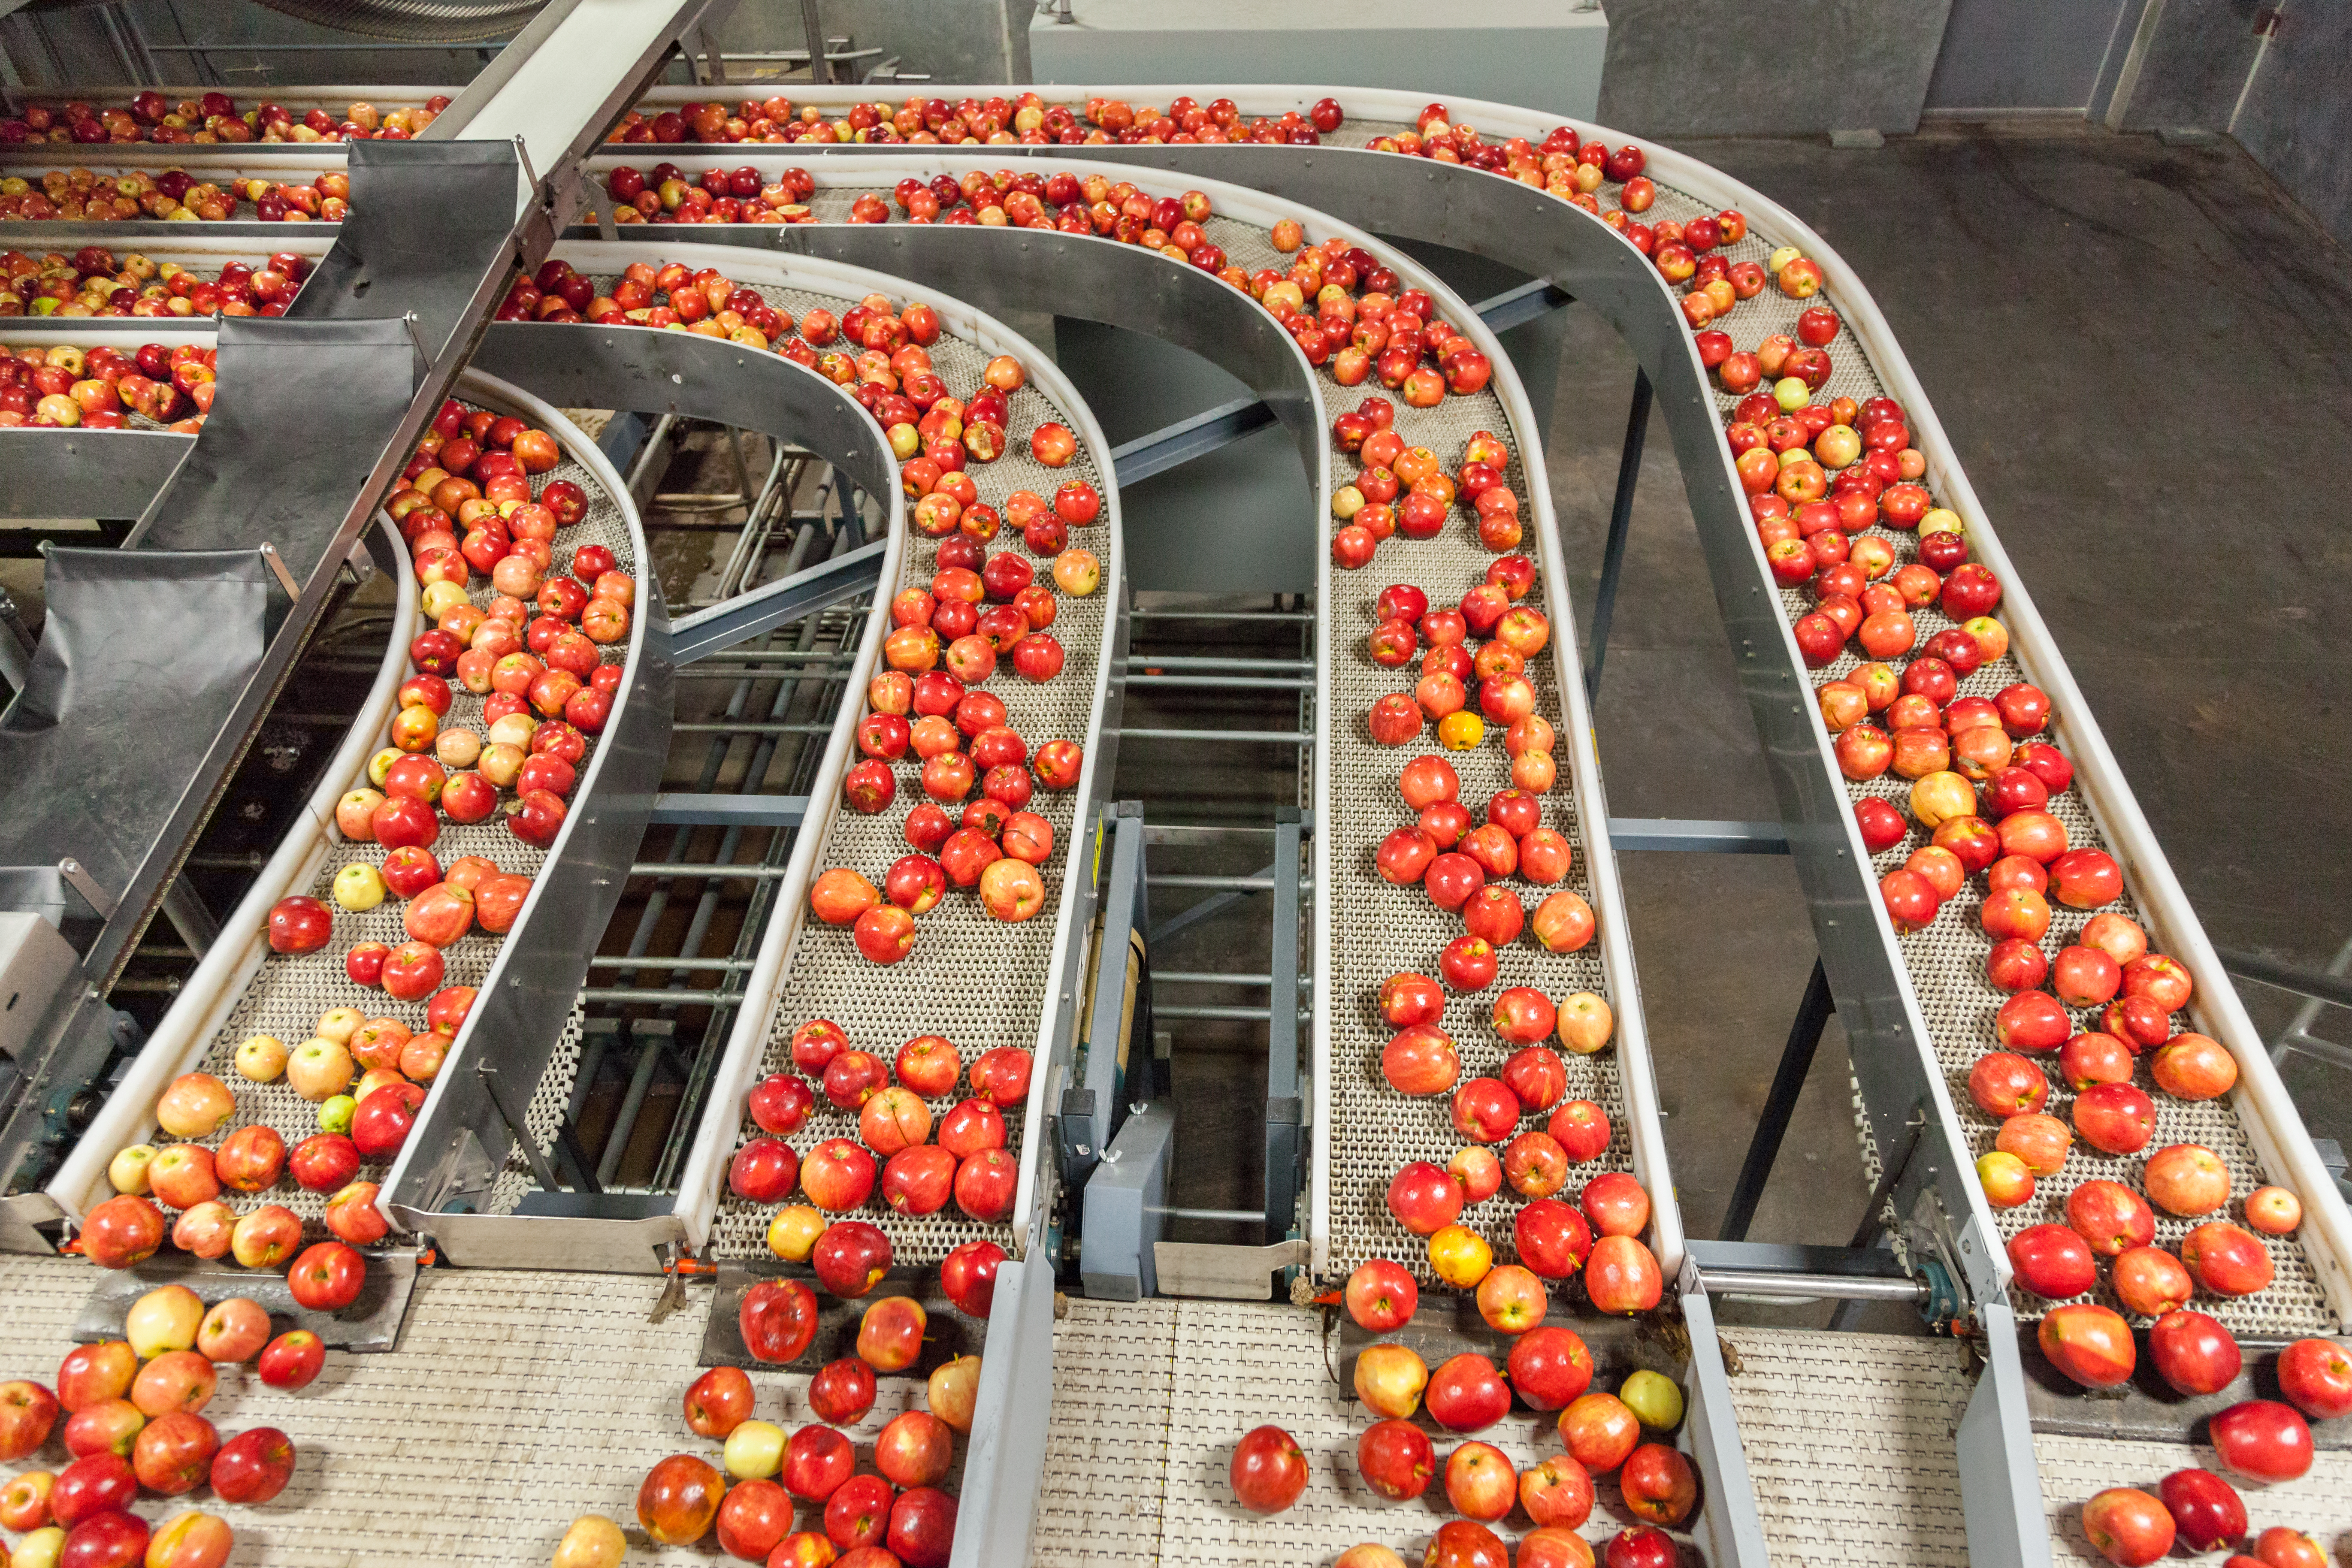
(2297,117)
(1730,68)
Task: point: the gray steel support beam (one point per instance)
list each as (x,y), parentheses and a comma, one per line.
(2000,1482)
(1697,834)
(1516,307)
(688,809)
(1090,1107)
(1145,456)
(780,603)
(1728,1524)
(1006,1458)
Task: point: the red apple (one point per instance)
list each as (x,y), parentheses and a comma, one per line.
(1480,1481)
(2316,1375)
(2226,1259)
(2130,1528)
(253,1467)
(2261,1439)
(2110,1216)
(2051,1260)
(679,1499)
(1381,1296)
(841,1393)
(2206,1509)
(778,1319)
(1423,1198)
(1549,1366)
(291,1360)
(1600,1431)
(1466,1394)
(1396,1459)
(2090,1343)
(1268,1471)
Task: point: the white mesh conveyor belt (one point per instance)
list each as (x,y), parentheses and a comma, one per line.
(1148,1400)
(1849,1440)
(517,1402)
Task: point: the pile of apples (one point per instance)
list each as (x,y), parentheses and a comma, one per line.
(916,1176)
(211,120)
(2258,1440)
(92,195)
(994,122)
(663,193)
(1549,1368)
(93,281)
(980,612)
(356,1125)
(1404,489)
(534,653)
(894,1514)
(60,386)
(133,1422)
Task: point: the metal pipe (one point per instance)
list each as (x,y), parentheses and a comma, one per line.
(725,872)
(1263,884)
(1809,1287)
(1188,977)
(652,997)
(1187,661)
(1225,1217)
(1221,614)
(1224,682)
(1266,737)
(638,960)
(754,727)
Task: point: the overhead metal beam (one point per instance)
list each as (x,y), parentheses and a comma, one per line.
(692,810)
(779,604)
(1178,443)
(1516,307)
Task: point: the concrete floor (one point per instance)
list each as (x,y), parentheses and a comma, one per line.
(2138,351)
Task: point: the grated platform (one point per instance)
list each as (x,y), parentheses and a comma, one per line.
(1849,1440)
(517,1402)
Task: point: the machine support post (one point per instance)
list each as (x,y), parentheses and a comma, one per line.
(1621,521)
(1788,1082)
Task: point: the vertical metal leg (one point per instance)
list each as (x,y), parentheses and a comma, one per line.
(1781,1104)
(813,24)
(1620,520)
(1284,1108)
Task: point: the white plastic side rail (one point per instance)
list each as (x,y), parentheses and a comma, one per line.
(747,1043)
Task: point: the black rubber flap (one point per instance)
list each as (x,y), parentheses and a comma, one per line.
(305,410)
(142,661)
(85,473)
(428,221)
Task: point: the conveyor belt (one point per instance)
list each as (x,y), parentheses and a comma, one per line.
(1374,929)
(1849,1439)
(979,981)
(2074,1469)
(1149,1399)
(284,995)
(517,1402)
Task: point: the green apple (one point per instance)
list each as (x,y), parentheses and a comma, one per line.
(335,1113)
(755,1450)
(359,885)
(1655,1398)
